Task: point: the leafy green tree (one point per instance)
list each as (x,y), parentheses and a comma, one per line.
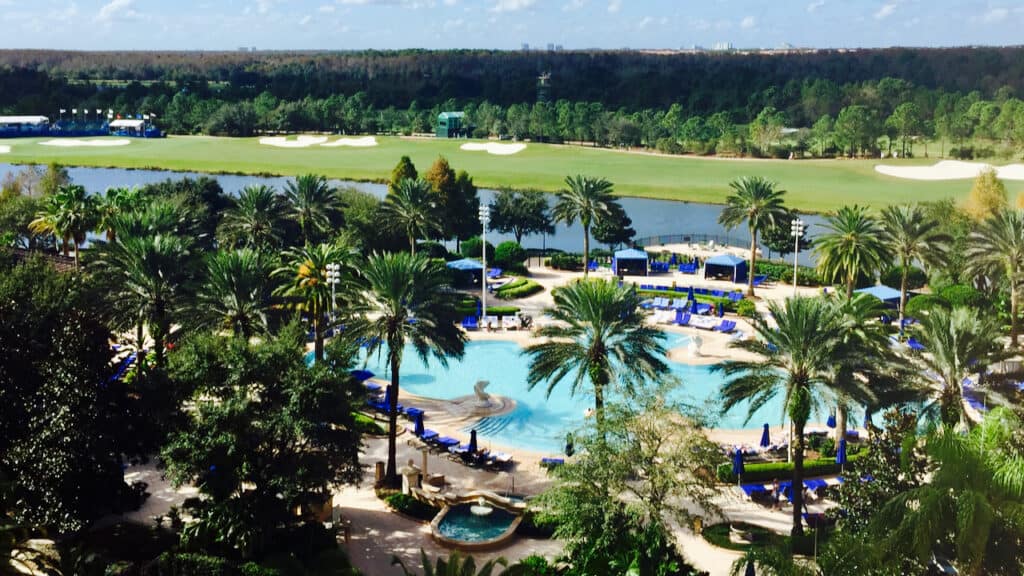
(988,196)
(797,359)
(69,214)
(996,252)
(113,203)
(255,220)
(403,299)
(585,199)
(268,435)
(521,214)
(766,129)
(444,194)
(237,293)
(913,237)
(455,565)
(314,205)
(465,206)
(52,179)
(404,170)
(779,237)
(616,228)
(758,202)
(857,129)
(16,216)
(599,338)
(822,133)
(411,210)
(305,285)
(853,244)
(907,122)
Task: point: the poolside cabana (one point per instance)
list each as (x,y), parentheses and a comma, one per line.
(630,262)
(467,272)
(889,296)
(726,266)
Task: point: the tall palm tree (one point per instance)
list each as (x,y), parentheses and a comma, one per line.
(972,502)
(757,202)
(255,220)
(313,203)
(958,342)
(854,244)
(111,205)
(411,210)
(797,360)
(912,236)
(996,252)
(305,284)
(599,336)
(69,214)
(585,199)
(399,299)
(149,283)
(236,294)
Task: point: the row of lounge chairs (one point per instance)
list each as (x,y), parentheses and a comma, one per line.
(661,303)
(491,323)
(683,318)
(734,295)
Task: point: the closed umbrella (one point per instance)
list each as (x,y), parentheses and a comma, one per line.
(750,569)
(361,375)
(737,464)
(831,423)
(841,454)
(721,310)
(689,294)
(419,424)
(472,440)
(765,438)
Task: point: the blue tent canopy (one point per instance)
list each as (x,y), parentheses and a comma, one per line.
(630,261)
(466,265)
(882,292)
(726,265)
(631,254)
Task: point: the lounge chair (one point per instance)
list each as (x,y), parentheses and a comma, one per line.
(412,412)
(725,327)
(510,323)
(682,318)
(760,279)
(679,304)
(550,463)
(470,323)
(444,442)
(913,344)
(499,461)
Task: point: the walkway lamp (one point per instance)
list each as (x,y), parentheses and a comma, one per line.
(485,219)
(796,228)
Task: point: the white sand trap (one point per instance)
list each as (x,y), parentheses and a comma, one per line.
(5,149)
(493,148)
(75,143)
(364,142)
(950,170)
(300,142)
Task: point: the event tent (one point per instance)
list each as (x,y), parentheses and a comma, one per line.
(888,296)
(726,266)
(630,262)
(468,272)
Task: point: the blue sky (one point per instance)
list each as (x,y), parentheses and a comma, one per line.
(503,24)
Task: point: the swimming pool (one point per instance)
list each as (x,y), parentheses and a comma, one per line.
(540,423)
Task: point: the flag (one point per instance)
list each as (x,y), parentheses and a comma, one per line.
(151,115)
(110,111)
(145,116)
(63,111)
(74,110)
(99,111)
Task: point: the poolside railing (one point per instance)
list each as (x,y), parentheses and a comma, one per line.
(691,238)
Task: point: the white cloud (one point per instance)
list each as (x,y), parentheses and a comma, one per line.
(326,8)
(305,20)
(748,23)
(885,11)
(614,6)
(995,15)
(573,5)
(264,6)
(116,10)
(455,24)
(815,5)
(511,5)
(644,22)
(450,2)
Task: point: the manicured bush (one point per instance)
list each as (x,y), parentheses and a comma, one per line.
(768,471)
(962,295)
(471,249)
(572,262)
(921,305)
(533,526)
(783,272)
(535,566)
(518,288)
(433,249)
(915,279)
(509,254)
(367,425)
(406,504)
(729,305)
(828,448)
(746,308)
(185,563)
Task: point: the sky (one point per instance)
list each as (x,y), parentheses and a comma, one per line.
(503,24)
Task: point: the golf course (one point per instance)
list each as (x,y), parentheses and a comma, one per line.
(812,185)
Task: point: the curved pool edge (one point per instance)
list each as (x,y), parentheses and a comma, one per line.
(490,544)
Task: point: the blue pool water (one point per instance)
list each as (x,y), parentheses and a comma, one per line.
(461,524)
(540,422)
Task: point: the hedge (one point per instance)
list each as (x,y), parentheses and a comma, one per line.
(768,471)
(406,504)
(366,425)
(518,288)
(894,277)
(491,310)
(188,564)
(565,262)
(783,272)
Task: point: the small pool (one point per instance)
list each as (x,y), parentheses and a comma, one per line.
(461,525)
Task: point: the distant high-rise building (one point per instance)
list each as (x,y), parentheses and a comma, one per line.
(525,46)
(722,46)
(558,47)
(551,47)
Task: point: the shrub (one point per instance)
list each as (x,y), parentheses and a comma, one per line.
(962,295)
(367,425)
(768,471)
(565,262)
(471,249)
(746,308)
(920,305)
(534,525)
(254,569)
(535,566)
(518,288)
(828,448)
(181,563)
(433,249)
(669,146)
(509,254)
(406,504)
(915,279)
(783,272)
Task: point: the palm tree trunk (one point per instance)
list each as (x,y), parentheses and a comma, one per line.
(586,250)
(76,255)
(753,261)
(1013,313)
(111,235)
(412,245)
(318,335)
(391,473)
(64,244)
(849,284)
(840,423)
(903,295)
(798,482)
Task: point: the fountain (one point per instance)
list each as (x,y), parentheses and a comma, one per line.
(481,508)
(477,521)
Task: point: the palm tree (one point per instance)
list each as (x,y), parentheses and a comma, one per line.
(972,502)
(585,199)
(798,360)
(455,565)
(411,210)
(149,283)
(772,561)
(854,244)
(959,342)
(69,214)
(236,295)
(111,205)
(306,286)
(996,252)
(912,236)
(313,203)
(757,202)
(255,220)
(598,336)
(400,299)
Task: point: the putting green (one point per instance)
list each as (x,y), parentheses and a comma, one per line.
(812,185)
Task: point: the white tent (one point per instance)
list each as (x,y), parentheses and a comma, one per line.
(128,123)
(24,120)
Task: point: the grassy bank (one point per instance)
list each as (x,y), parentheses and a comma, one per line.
(813,185)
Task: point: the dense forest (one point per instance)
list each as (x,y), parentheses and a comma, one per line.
(726,103)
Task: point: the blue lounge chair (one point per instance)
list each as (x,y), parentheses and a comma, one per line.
(913,344)
(428,435)
(373,388)
(445,442)
(412,412)
(760,279)
(683,320)
(551,462)
(470,323)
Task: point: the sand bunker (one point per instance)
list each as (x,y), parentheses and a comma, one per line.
(951,170)
(364,142)
(300,142)
(74,142)
(5,149)
(494,148)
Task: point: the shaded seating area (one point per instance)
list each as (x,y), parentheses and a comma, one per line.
(633,262)
(889,296)
(466,272)
(726,267)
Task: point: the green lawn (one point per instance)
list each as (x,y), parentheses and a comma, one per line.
(813,185)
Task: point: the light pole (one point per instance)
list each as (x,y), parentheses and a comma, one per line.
(333,278)
(485,219)
(796,228)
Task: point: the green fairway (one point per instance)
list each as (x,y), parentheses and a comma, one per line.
(813,185)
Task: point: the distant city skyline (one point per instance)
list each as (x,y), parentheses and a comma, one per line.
(503,24)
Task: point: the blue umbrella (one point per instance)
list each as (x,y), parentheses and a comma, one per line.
(841,452)
(472,440)
(750,569)
(361,375)
(737,463)
(721,310)
(765,438)
(418,431)
(831,423)
(689,294)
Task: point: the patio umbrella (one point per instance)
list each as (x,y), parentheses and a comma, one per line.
(750,569)
(689,294)
(765,438)
(721,310)
(361,375)
(418,431)
(841,453)
(737,464)
(472,440)
(831,423)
